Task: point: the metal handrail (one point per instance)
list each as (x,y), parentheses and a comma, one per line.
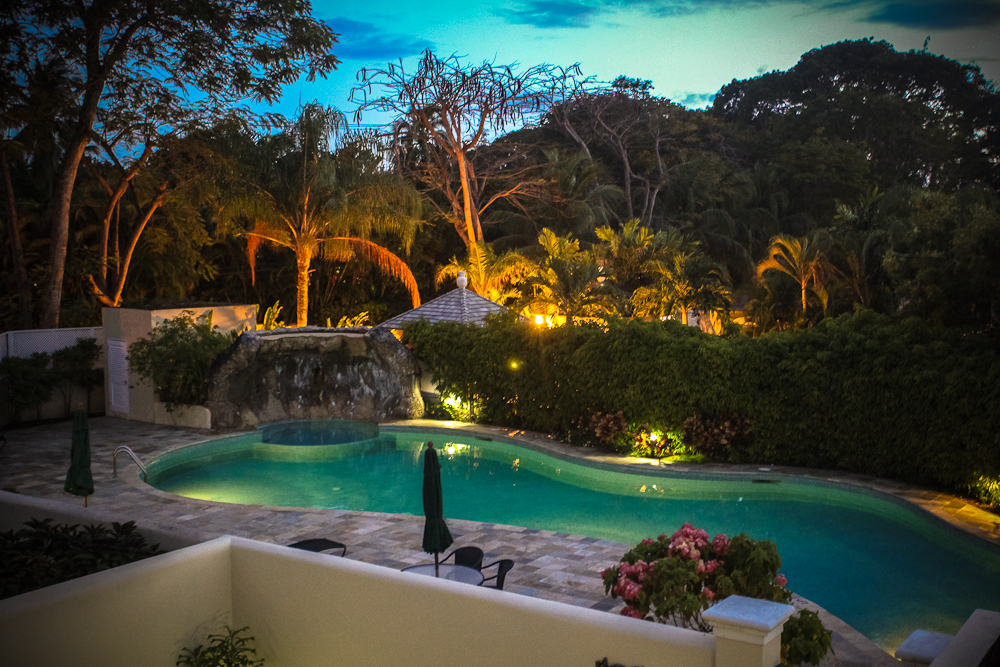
(127,450)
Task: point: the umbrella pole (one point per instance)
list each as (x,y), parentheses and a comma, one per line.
(85,501)
(437,568)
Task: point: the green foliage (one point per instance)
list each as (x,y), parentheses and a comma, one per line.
(271,320)
(805,639)
(725,438)
(177,356)
(47,553)
(228,650)
(674,579)
(75,365)
(29,382)
(867,393)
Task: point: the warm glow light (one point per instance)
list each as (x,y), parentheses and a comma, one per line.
(514,364)
(539,319)
(652,436)
(451,449)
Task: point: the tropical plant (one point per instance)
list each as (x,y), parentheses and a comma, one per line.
(318,207)
(802,259)
(231,649)
(29,382)
(177,356)
(47,553)
(490,275)
(673,580)
(684,281)
(75,366)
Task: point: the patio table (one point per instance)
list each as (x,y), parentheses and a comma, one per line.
(459,573)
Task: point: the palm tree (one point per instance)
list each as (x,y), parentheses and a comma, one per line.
(685,281)
(567,281)
(490,275)
(802,259)
(317,208)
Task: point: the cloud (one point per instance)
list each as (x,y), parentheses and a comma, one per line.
(913,14)
(941,14)
(553,14)
(695,100)
(366,41)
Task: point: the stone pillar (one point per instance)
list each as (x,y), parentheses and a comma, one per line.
(747,631)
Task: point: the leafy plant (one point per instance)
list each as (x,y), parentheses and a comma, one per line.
(47,553)
(805,639)
(724,438)
(29,382)
(227,650)
(271,318)
(177,356)
(74,366)
(673,580)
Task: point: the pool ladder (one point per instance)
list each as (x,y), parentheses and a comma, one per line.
(127,450)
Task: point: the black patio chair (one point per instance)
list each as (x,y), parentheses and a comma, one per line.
(467,556)
(320,544)
(503,567)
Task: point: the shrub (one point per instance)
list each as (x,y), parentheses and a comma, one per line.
(74,365)
(47,553)
(29,382)
(177,356)
(673,580)
(727,438)
(863,392)
(228,650)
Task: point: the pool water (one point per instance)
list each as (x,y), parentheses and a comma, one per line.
(880,567)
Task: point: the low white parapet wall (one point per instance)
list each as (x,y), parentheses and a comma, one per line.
(313,609)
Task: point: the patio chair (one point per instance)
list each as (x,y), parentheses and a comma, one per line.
(319,544)
(467,556)
(503,567)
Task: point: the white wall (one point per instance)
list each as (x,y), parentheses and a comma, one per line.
(313,609)
(143,613)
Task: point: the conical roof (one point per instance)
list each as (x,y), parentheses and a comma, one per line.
(458,305)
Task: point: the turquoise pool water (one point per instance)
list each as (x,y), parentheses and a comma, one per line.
(879,566)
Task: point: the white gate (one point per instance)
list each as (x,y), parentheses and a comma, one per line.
(118,375)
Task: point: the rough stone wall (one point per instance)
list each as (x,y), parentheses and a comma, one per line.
(312,373)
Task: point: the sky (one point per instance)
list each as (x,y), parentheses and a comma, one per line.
(689,49)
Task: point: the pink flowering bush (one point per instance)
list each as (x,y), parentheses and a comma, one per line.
(674,579)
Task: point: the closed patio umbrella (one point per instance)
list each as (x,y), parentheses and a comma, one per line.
(437,537)
(79,480)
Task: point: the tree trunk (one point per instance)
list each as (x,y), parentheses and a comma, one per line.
(303,260)
(469,234)
(16,249)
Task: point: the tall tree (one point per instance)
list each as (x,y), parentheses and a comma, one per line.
(804,260)
(449,110)
(319,209)
(684,281)
(193,57)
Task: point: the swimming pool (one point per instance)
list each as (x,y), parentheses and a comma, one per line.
(866,557)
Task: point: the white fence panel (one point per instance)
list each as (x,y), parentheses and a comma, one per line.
(27,342)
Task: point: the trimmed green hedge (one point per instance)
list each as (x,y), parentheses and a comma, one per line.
(863,392)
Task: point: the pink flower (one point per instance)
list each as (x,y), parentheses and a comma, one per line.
(648,541)
(780,580)
(721,544)
(634,613)
(707,592)
(630,590)
(605,571)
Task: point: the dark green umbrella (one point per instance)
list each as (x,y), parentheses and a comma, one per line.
(79,481)
(437,537)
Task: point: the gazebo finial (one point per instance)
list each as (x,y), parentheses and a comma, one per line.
(462,280)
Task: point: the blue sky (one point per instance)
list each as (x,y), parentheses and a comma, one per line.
(689,49)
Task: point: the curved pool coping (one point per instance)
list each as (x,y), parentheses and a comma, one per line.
(944,509)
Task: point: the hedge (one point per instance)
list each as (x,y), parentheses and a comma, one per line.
(865,393)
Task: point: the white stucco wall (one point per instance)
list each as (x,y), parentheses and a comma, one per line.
(313,609)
